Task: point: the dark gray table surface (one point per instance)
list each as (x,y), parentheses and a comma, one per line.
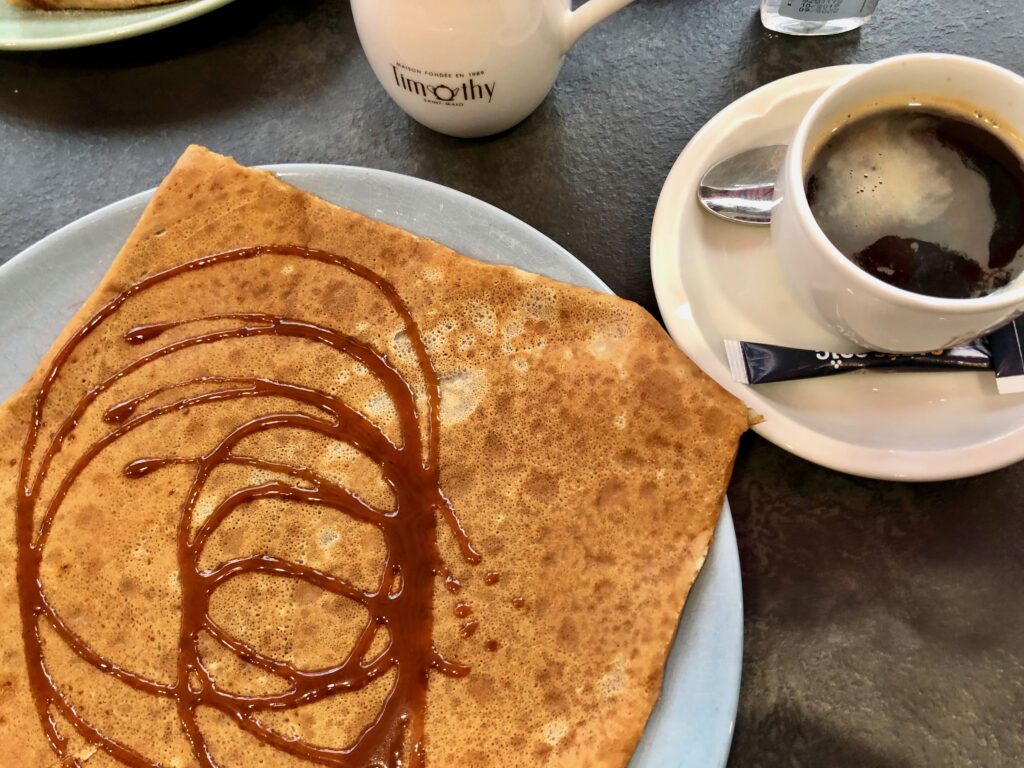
(884,622)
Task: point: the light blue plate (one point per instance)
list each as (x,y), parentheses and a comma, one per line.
(691,726)
(31,30)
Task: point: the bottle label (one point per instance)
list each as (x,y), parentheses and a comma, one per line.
(826,10)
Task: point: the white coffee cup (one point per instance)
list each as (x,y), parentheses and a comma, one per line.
(847,299)
(471,67)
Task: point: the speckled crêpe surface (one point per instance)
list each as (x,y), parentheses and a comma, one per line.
(88,5)
(585,455)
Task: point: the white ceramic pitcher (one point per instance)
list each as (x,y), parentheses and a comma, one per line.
(471,67)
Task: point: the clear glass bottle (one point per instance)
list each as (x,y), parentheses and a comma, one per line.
(815,17)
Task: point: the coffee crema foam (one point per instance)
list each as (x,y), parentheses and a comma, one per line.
(911,194)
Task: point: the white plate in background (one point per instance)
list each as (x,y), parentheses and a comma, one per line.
(28,29)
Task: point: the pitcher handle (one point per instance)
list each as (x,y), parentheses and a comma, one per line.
(578,22)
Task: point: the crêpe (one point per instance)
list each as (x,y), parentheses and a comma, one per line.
(570,487)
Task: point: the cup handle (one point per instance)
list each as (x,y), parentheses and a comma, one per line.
(578,22)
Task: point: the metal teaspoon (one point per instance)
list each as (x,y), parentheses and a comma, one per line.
(741,188)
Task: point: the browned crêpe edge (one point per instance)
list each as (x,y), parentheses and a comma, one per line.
(585,454)
(87,5)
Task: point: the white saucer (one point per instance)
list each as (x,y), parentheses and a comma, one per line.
(715,280)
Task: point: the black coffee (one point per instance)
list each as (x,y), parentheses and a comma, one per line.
(925,200)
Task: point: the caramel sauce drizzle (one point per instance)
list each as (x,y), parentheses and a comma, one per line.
(402,603)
